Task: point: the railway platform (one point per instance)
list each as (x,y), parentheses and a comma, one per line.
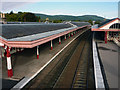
(26,65)
(109,55)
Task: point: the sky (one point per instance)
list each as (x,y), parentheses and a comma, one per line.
(76,8)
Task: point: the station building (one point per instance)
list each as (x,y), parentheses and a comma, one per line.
(111,28)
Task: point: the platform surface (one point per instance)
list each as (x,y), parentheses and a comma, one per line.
(26,64)
(109,54)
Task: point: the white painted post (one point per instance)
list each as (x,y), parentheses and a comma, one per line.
(17,49)
(0,52)
(22,49)
(59,40)
(37,52)
(69,35)
(51,45)
(5,47)
(9,66)
(72,33)
(65,37)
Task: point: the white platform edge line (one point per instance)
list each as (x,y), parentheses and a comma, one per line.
(99,81)
(20,87)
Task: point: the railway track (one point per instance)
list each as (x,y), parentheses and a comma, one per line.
(80,76)
(70,69)
(77,76)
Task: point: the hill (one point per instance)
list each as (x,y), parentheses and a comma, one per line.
(71,18)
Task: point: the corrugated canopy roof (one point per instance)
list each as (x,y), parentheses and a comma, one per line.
(79,24)
(24,32)
(19,30)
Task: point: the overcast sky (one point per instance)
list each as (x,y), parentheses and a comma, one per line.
(76,8)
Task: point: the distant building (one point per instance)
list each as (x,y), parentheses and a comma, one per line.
(2,18)
(47,20)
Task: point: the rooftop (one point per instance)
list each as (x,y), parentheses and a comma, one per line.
(105,22)
(108,25)
(29,32)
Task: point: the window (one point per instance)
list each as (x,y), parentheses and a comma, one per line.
(115,26)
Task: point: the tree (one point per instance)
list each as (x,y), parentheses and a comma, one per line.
(11,17)
(29,17)
(19,13)
(97,22)
(90,21)
(11,12)
(39,18)
(20,16)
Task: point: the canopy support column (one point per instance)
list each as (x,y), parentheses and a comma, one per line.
(69,35)
(65,37)
(51,45)
(72,34)
(37,52)
(106,37)
(59,40)
(4,52)
(9,66)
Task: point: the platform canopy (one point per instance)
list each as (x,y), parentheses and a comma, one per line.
(31,35)
(108,25)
